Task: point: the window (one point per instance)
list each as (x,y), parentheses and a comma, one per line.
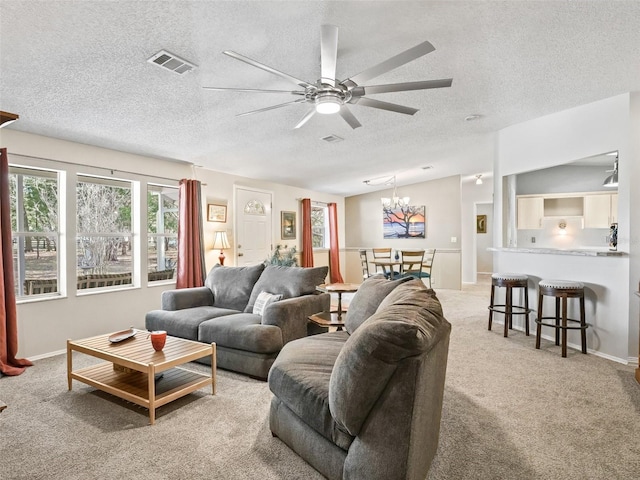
(162,228)
(104,230)
(320,226)
(35,235)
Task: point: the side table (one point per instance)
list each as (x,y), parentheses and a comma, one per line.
(326,320)
(338,288)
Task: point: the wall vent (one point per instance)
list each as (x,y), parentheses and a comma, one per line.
(332,138)
(171,62)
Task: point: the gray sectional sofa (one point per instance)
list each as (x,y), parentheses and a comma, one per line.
(366,403)
(223,312)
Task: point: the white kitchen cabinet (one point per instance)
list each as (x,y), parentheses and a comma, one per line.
(600,210)
(530,212)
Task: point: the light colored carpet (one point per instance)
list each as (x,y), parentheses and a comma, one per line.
(510,412)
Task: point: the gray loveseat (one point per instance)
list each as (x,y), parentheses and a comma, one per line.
(223,312)
(366,403)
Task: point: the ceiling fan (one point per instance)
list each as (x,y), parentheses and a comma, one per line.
(328,95)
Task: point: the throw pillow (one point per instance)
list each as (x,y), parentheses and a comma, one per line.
(291,282)
(232,286)
(366,300)
(263,300)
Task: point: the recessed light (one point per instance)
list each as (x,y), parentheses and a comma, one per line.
(470,118)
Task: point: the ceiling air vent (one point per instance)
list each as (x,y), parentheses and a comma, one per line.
(332,138)
(171,62)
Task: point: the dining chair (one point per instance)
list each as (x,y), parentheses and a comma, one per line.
(364,261)
(427,265)
(383,253)
(412,263)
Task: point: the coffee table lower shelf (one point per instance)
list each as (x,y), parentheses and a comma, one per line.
(133,387)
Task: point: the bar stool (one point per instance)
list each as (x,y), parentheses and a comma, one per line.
(562,290)
(510,281)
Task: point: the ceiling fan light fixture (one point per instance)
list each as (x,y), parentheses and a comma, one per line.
(328,103)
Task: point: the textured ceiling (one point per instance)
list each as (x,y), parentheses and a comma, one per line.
(77,70)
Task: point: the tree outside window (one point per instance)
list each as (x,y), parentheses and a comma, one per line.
(104,232)
(319,226)
(35,235)
(162,230)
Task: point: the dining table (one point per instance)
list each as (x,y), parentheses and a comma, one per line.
(388,263)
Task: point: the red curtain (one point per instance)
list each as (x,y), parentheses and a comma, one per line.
(307,239)
(334,249)
(9,364)
(191,268)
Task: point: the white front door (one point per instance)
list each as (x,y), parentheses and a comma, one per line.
(253,226)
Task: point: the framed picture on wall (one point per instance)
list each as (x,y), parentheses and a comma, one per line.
(481,224)
(216,213)
(288,225)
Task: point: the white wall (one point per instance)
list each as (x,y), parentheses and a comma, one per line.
(564,137)
(443,211)
(44,326)
(484,258)
(472,195)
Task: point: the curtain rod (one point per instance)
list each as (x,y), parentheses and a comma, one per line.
(93,166)
(314,201)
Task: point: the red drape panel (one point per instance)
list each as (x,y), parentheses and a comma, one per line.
(191,268)
(334,249)
(9,364)
(307,239)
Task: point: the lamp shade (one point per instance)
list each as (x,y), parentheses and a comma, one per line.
(220,240)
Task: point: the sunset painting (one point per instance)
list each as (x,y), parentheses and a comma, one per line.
(404,222)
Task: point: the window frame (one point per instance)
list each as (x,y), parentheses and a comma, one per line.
(157,235)
(325,226)
(87,287)
(19,235)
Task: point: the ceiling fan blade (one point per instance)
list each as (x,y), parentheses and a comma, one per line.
(306,117)
(253,90)
(393,62)
(267,68)
(328,54)
(392,107)
(349,118)
(272,107)
(401,87)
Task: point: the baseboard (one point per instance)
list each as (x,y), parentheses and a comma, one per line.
(574,346)
(47,355)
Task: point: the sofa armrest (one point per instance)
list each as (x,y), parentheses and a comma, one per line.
(187,298)
(292,314)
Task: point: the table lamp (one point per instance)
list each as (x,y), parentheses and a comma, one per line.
(220,241)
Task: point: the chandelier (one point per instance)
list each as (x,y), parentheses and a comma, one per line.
(395,201)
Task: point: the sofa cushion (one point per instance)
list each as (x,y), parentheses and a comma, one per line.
(232,286)
(243,331)
(287,281)
(183,323)
(300,378)
(408,322)
(366,300)
(264,299)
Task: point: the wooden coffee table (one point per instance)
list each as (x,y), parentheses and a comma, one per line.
(132,366)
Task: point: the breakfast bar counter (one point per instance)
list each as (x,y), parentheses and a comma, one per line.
(605,275)
(584,252)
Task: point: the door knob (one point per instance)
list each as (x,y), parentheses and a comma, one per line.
(241,254)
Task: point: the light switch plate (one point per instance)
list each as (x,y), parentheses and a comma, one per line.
(454,239)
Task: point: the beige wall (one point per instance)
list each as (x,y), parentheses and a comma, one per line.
(44,326)
(442,199)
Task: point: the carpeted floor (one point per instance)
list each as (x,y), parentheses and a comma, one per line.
(510,412)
